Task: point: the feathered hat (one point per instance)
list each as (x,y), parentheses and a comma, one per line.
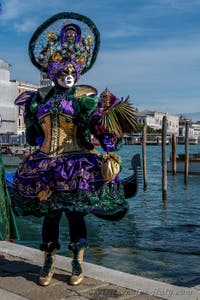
(66,41)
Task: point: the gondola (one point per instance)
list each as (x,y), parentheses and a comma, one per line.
(130,183)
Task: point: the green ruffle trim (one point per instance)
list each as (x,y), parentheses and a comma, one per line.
(108,201)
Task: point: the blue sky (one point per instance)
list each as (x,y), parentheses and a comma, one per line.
(150,49)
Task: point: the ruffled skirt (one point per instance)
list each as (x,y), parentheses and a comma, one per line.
(70,182)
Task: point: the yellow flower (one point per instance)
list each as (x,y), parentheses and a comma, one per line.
(50,36)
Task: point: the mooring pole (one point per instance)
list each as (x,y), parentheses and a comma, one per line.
(173,154)
(186,153)
(144,156)
(164,162)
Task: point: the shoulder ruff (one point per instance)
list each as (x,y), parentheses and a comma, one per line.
(25,97)
(85,90)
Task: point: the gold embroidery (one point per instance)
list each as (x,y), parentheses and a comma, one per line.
(46,126)
(68,136)
(60,135)
(45,194)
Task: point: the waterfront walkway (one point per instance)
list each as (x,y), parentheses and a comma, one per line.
(20,267)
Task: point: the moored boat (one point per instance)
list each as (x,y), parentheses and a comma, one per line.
(194,164)
(11,157)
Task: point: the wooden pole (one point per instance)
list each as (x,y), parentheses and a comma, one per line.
(173,154)
(164,162)
(144,158)
(186,153)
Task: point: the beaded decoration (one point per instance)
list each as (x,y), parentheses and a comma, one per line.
(66,41)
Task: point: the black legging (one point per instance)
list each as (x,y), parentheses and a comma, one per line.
(77,227)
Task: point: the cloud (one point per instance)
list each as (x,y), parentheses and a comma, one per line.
(18,13)
(10,10)
(164,78)
(157,61)
(128,31)
(149,50)
(26,26)
(179,4)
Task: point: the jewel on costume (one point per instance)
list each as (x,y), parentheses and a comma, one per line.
(107,98)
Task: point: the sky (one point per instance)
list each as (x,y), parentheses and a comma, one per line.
(150,49)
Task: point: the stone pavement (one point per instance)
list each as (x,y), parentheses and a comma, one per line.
(20,267)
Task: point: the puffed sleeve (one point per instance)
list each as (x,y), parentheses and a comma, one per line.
(88,104)
(30,100)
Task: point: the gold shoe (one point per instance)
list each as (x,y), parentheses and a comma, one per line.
(77,269)
(48,268)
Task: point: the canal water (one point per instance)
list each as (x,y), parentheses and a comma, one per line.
(155,239)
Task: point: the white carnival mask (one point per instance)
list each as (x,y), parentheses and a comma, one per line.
(66,81)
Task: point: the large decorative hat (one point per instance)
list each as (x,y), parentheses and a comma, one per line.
(66,41)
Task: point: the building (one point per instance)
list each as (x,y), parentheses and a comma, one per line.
(193,131)
(23,86)
(8,111)
(143,118)
(44,80)
(154,120)
(196,130)
(12,128)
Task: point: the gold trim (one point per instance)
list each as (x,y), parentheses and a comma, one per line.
(60,135)
(85,90)
(46,127)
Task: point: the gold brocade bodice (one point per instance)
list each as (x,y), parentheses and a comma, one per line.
(60,136)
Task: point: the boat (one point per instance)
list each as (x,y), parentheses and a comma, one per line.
(12,157)
(151,139)
(194,163)
(130,183)
(193,141)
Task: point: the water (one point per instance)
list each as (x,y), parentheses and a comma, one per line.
(155,240)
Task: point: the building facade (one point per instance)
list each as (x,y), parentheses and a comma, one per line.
(22,86)
(8,111)
(12,128)
(154,120)
(193,130)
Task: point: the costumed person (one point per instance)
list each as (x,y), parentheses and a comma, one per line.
(65,174)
